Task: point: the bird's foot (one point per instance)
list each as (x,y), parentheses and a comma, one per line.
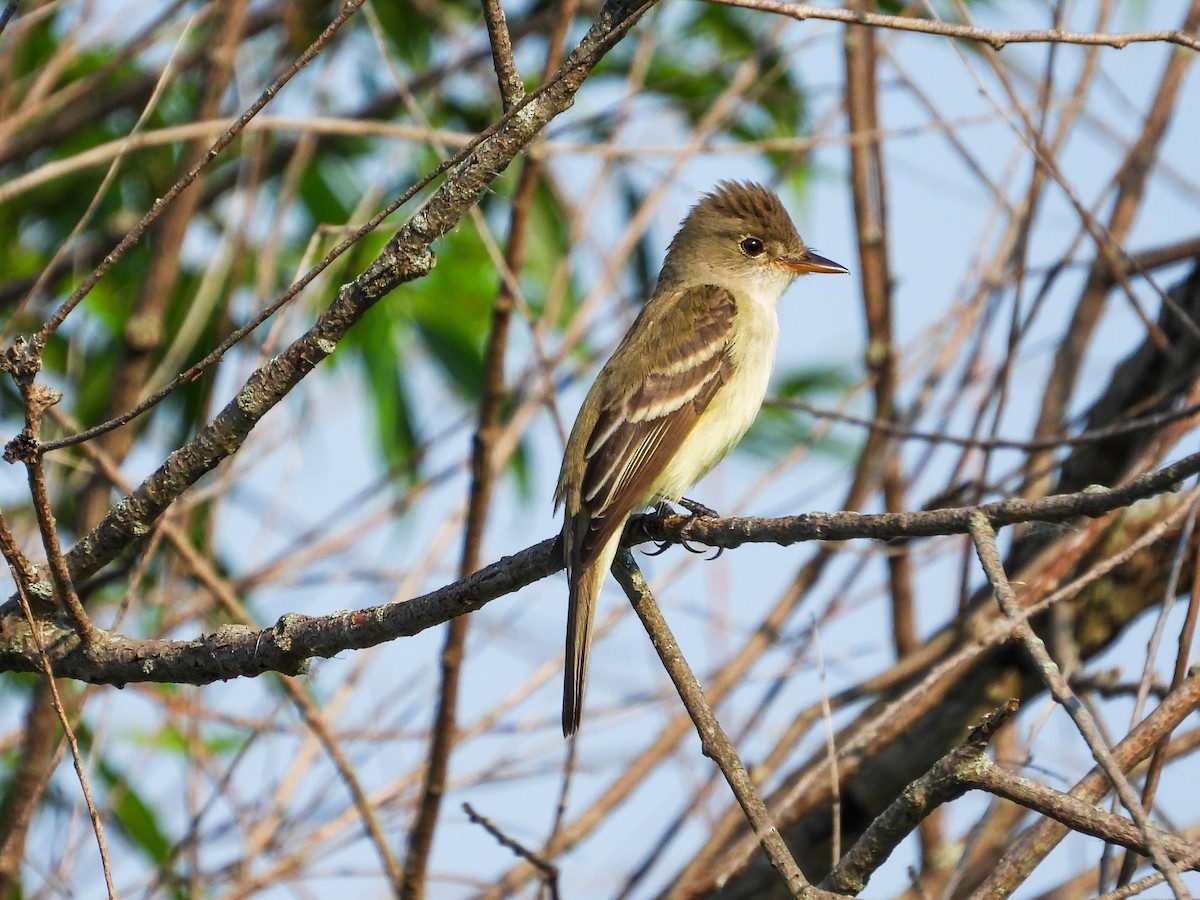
(697,511)
(662,508)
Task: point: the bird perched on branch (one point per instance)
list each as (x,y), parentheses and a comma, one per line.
(679,391)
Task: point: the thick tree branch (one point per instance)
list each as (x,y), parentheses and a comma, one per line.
(237,651)
(844,526)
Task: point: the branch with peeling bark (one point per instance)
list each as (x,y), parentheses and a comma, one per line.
(238,651)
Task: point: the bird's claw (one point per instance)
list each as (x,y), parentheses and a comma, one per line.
(697,511)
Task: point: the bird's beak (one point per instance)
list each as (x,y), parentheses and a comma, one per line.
(811,262)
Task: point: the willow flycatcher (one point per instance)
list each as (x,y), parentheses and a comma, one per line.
(678,392)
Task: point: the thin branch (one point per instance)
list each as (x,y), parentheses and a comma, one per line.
(306,126)
(21,362)
(1089,436)
(729,533)
(1024,854)
(868,183)
(407,256)
(22,569)
(1130,181)
(548,869)
(714,742)
(831,753)
(1133,888)
(135,233)
(911,693)
(507,76)
(1183,655)
(307,707)
(1085,818)
(64,587)
(56,701)
(993,37)
(122,148)
(484,461)
(39,750)
(236,651)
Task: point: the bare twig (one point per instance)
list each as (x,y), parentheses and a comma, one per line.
(831,753)
(1037,841)
(22,363)
(1133,888)
(946,781)
(295,638)
(1089,436)
(733,532)
(715,743)
(1130,181)
(548,869)
(76,758)
(1077,815)
(305,705)
(122,147)
(992,37)
(911,693)
(22,569)
(1183,655)
(407,256)
(509,79)
(135,234)
(868,182)
(484,462)
(64,587)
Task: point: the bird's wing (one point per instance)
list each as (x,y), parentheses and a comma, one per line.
(642,425)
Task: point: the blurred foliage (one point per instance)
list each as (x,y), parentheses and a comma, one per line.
(135,817)
(434,329)
(778,430)
(718,39)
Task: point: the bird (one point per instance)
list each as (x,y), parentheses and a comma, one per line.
(678,393)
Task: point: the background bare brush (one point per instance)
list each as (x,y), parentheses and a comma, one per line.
(263,450)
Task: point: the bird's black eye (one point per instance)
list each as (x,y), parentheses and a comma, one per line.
(752,246)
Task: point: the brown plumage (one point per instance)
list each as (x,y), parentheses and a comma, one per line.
(678,392)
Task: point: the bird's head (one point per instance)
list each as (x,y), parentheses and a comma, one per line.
(740,235)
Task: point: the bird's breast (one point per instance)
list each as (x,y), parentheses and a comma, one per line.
(729,415)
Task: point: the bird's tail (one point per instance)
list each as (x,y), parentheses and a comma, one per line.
(585,580)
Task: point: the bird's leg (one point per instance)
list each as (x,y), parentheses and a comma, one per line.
(696,511)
